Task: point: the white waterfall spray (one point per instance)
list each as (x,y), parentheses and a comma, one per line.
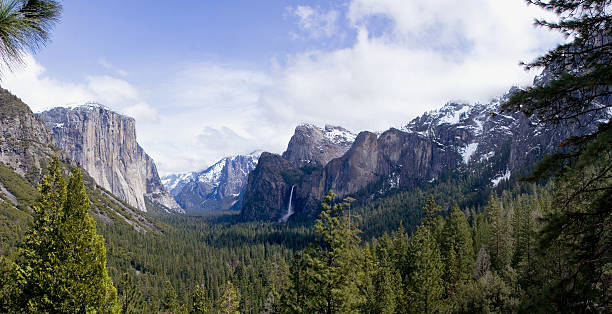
(289,207)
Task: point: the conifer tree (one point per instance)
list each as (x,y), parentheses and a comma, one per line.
(326,278)
(457,248)
(386,281)
(130,297)
(229,301)
(426,290)
(169,300)
(497,242)
(577,89)
(433,220)
(199,303)
(63,259)
(25,26)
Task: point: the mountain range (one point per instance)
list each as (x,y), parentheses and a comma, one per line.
(219,187)
(457,139)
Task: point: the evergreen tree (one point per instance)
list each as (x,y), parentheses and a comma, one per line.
(497,242)
(426,289)
(199,303)
(385,290)
(63,259)
(130,297)
(11,279)
(578,87)
(457,248)
(327,278)
(25,26)
(432,219)
(229,301)
(169,301)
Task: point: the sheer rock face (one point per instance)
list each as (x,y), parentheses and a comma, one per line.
(311,145)
(219,187)
(103,142)
(25,143)
(457,138)
(269,187)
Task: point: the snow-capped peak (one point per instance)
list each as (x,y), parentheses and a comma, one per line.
(338,135)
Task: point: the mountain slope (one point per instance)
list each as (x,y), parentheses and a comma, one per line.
(458,138)
(25,142)
(27,148)
(103,142)
(219,187)
(311,145)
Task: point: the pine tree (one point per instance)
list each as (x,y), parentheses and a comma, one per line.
(326,277)
(497,242)
(229,301)
(63,259)
(426,289)
(199,303)
(130,297)
(385,291)
(169,300)
(25,26)
(578,88)
(457,248)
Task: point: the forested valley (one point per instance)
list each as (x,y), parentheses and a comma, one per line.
(538,241)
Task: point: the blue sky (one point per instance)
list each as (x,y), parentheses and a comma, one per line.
(205,79)
(136,34)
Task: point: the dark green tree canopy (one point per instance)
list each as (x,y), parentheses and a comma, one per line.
(577,76)
(25,25)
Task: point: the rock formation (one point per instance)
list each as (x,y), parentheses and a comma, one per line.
(103,142)
(219,187)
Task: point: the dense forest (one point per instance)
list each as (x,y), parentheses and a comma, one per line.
(538,243)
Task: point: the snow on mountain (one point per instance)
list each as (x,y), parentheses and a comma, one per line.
(316,146)
(480,134)
(338,135)
(218,187)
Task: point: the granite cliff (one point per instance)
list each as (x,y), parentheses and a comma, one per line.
(456,139)
(104,143)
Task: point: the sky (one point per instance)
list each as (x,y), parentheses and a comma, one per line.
(206,79)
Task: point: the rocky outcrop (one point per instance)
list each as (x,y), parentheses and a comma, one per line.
(25,143)
(311,145)
(274,175)
(103,142)
(458,138)
(219,187)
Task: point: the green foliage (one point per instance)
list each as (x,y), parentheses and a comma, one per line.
(457,249)
(63,259)
(25,25)
(23,191)
(574,244)
(229,301)
(325,277)
(169,300)
(498,236)
(130,297)
(489,294)
(426,288)
(199,303)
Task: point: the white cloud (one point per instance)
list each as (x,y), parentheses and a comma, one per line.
(42,91)
(314,23)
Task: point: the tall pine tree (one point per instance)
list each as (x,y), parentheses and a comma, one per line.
(326,278)
(63,259)
(577,88)
(426,288)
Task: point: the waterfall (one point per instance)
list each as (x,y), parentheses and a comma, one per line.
(289,207)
